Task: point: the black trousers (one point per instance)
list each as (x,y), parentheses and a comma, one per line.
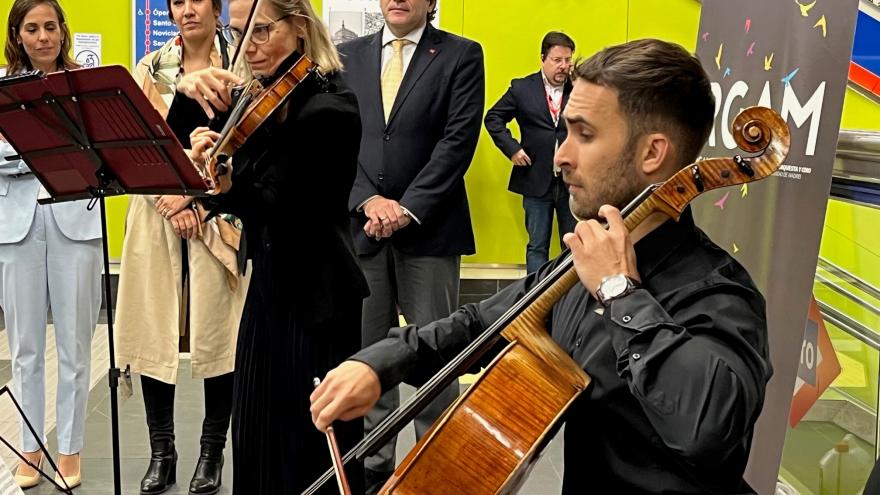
(159,405)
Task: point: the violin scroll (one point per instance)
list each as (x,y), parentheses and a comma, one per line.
(756,130)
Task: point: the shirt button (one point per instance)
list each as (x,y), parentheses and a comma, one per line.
(381,177)
(627,319)
(636,356)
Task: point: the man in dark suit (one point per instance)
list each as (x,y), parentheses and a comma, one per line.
(421,96)
(536,102)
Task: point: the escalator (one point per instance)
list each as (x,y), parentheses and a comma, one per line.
(847,290)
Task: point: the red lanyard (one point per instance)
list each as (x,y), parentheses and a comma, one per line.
(554,108)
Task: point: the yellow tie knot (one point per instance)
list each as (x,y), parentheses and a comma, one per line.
(398,44)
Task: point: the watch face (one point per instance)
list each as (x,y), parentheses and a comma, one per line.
(613,286)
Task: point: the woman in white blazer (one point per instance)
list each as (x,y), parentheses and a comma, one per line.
(50,256)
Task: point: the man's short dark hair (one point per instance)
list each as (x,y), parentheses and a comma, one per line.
(555,38)
(660,88)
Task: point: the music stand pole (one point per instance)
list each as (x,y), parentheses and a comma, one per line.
(114,372)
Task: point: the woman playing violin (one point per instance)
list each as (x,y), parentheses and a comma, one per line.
(290,185)
(669,326)
(184,268)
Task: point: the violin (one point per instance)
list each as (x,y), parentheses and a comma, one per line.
(254,104)
(510,413)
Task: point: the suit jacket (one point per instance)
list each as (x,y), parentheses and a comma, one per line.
(526,101)
(420,157)
(18,202)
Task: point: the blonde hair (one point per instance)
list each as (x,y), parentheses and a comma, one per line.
(318,46)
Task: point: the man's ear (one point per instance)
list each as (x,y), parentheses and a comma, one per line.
(654,150)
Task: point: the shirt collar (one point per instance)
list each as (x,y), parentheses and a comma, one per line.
(413,36)
(661,242)
(547,84)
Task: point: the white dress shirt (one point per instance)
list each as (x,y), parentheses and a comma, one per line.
(409,49)
(555,100)
(555,94)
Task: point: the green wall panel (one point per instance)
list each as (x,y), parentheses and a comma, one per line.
(510,32)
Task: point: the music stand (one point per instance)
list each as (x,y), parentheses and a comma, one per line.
(89,134)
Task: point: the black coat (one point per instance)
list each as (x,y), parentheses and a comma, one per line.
(421,156)
(526,101)
(290,189)
(302,317)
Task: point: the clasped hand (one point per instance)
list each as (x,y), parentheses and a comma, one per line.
(600,252)
(384,217)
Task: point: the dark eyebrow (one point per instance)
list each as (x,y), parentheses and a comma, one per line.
(575,119)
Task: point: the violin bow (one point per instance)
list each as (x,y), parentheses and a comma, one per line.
(336,456)
(238,57)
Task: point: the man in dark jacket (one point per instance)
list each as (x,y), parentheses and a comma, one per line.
(421,93)
(670,328)
(536,103)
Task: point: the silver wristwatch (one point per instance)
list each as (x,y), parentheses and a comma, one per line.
(613,287)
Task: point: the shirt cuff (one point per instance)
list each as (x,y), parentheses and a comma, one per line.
(360,207)
(634,321)
(390,358)
(410,214)
(11,170)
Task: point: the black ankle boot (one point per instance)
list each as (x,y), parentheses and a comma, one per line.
(206,479)
(162,473)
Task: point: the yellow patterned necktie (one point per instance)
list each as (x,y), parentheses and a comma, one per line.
(392,76)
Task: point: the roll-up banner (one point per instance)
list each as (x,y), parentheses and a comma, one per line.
(791,56)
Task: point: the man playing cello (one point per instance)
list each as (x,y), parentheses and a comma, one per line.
(669,326)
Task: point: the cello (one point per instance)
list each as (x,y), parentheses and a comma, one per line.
(489,439)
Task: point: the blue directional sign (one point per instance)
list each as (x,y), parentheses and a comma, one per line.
(152,26)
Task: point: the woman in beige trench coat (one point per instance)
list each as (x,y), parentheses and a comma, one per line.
(179,275)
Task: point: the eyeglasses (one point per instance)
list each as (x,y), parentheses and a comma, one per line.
(259,36)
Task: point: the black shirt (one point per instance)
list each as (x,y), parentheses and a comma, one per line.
(678,368)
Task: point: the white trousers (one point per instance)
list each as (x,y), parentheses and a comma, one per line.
(46,268)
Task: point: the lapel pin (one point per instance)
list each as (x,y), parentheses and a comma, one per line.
(432,51)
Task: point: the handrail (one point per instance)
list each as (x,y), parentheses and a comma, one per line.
(848,294)
(850,326)
(845,322)
(850,278)
(861,145)
(857,156)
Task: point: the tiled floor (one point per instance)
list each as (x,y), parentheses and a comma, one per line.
(134,446)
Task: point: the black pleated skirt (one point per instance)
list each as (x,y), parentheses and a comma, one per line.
(276,448)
